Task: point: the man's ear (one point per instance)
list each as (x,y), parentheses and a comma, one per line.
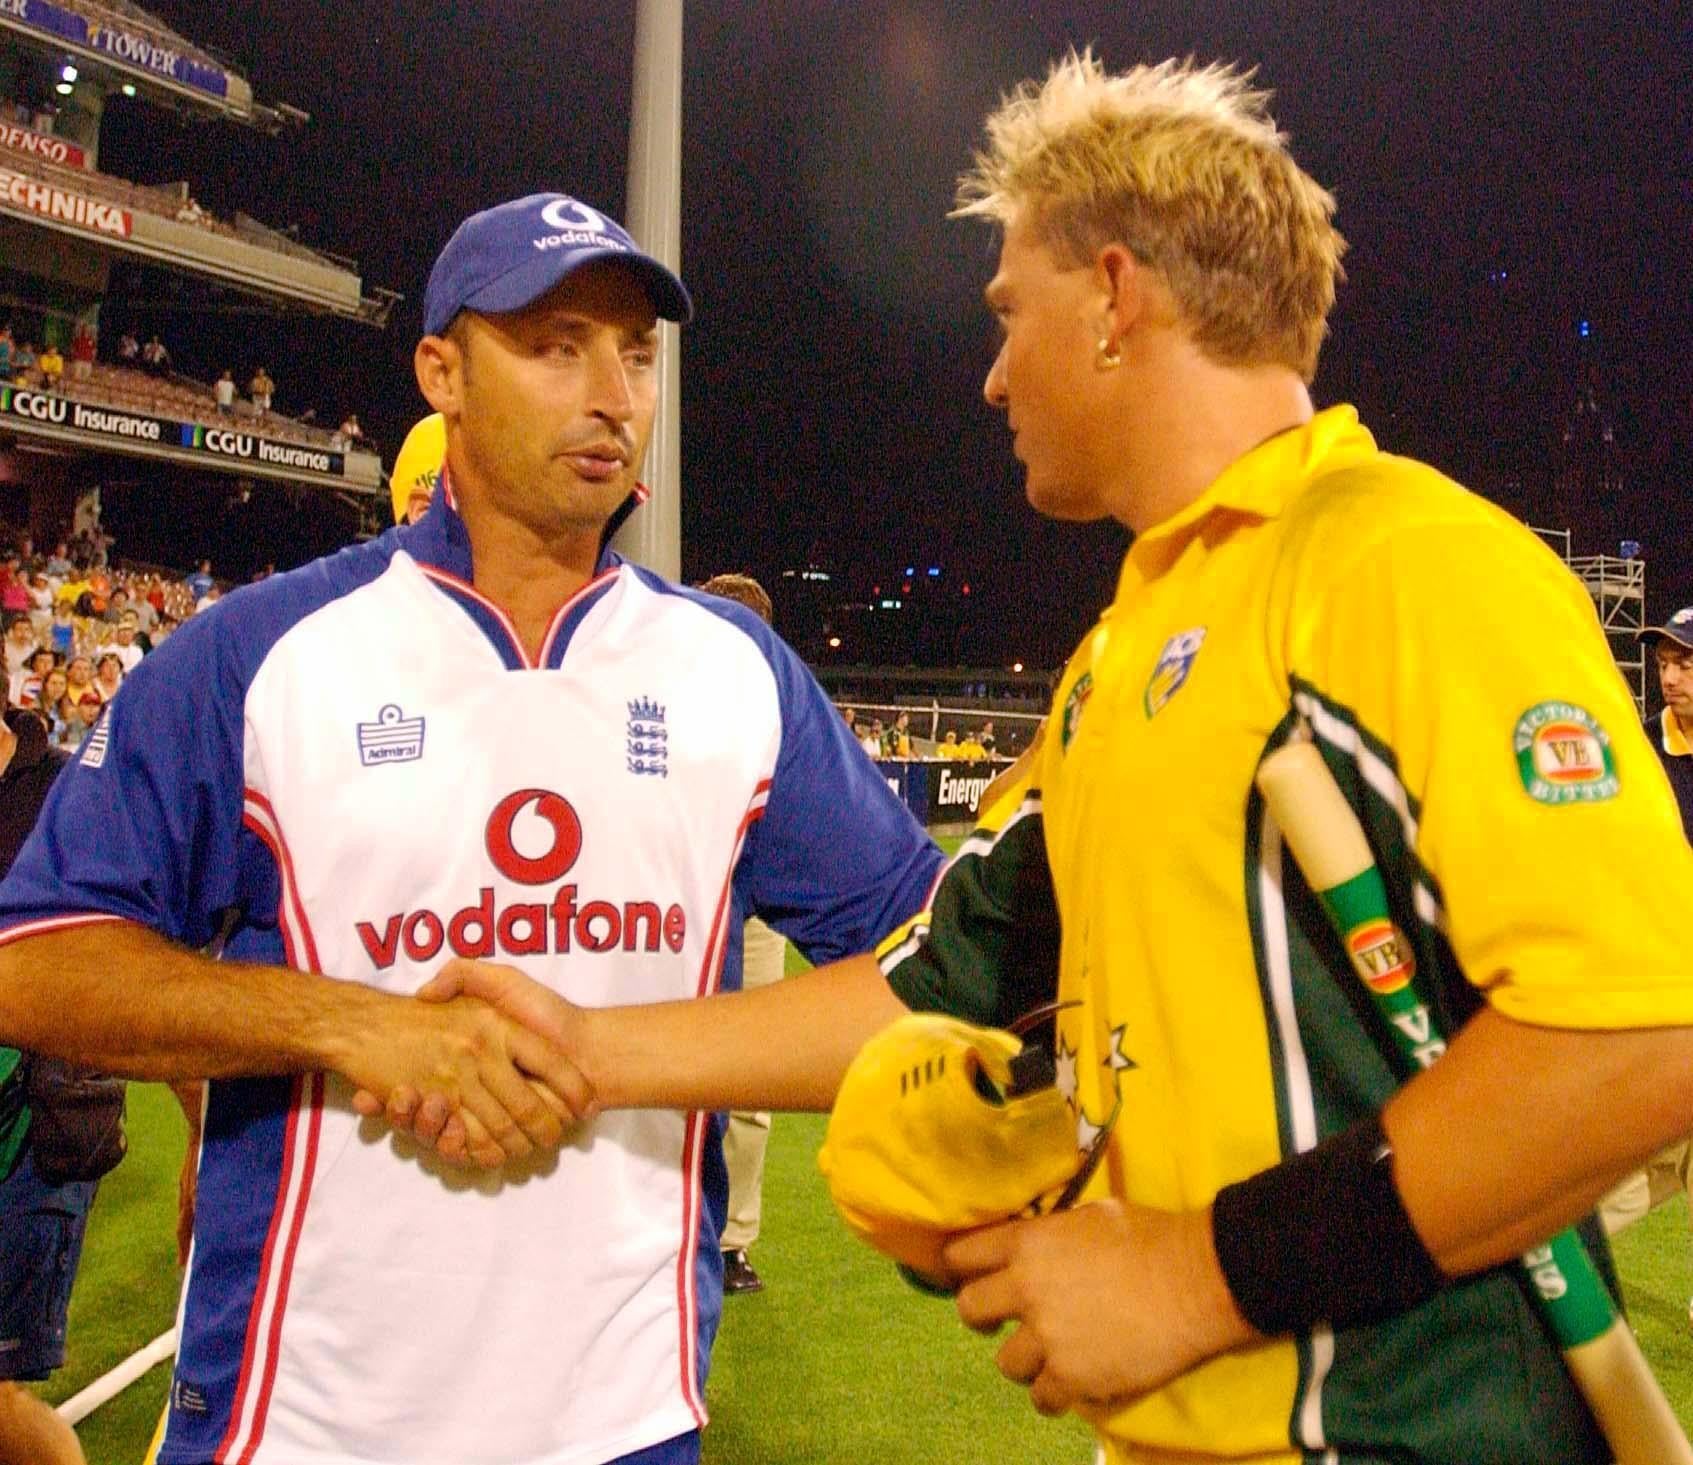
(1123,282)
(439,364)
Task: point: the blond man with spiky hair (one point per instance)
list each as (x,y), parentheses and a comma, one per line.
(1300,1244)
(1296,1258)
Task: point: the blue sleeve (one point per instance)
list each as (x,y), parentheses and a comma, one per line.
(145,821)
(837,861)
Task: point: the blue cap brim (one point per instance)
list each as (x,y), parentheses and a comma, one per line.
(532,279)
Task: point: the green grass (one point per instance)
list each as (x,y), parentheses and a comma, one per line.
(836,1361)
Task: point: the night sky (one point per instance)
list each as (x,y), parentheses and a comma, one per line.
(1504,174)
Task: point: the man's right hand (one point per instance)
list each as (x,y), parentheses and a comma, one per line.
(490,1062)
(506,1086)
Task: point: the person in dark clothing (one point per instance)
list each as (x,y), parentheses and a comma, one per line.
(41,1224)
(1669,1172)
(1672,734)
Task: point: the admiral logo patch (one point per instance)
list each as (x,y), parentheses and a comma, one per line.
(392,738)
(1170,675)
(1564,756)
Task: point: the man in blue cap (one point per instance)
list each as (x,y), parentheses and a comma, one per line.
(482,737)
(1668,1173)
(1671,646)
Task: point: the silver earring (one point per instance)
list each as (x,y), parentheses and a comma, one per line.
(1109,357)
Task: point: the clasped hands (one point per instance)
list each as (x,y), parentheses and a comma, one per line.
(484,1068)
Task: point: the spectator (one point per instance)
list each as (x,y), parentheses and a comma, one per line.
(129,349)
(896,742)
(162,632)
(70,721)
(209,599)
(155,357)
(351,433)
(23,363)
(59,562)
(200,581)
(871,738)
(79,679)
(108,675)
(82,352)
(850,717)
(5,353)
(124,647)
(52,366)
(970,749)
(53,687)
(948,747)
(20,644)
(260,389)
(24,687)
(40,597)
(145,609)
(986,738)
(61,635)
(225,389)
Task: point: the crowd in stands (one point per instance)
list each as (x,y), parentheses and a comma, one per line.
(895,739)
(75,625)
(140,378)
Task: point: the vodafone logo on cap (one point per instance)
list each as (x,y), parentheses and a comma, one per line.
(567,213)
(576,224)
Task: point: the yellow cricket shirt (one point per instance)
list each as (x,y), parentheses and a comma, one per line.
(1456,678)
(1458,674)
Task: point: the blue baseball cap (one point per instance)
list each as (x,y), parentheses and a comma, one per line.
(505,257)
(1679,628)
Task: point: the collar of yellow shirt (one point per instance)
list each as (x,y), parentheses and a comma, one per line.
(1675,736)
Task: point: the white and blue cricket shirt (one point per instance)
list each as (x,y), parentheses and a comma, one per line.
(360,762)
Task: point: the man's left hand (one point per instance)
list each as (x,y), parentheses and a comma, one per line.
(1110,1300)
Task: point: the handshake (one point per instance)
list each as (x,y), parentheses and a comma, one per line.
(484,1066)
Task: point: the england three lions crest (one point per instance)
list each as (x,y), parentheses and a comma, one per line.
(1175,661)
(648,739)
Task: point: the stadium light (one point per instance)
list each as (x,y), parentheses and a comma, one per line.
(64,88)
(1016,666)
(834,643)
(129,89)
(68,74)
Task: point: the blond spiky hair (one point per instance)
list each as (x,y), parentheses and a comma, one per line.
(1182,164)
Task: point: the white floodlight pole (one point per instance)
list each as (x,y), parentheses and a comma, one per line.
(653,537)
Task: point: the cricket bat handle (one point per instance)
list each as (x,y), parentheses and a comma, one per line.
(1334,854)
(1620,1389)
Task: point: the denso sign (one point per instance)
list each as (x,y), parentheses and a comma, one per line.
(40,145)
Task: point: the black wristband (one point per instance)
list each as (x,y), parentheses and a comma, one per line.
(1323,1238)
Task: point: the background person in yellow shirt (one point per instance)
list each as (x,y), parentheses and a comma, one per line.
(1297,1255)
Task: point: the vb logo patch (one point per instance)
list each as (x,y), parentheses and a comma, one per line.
(1564,756)
(1381,956)
(1175,661)
(1074,705)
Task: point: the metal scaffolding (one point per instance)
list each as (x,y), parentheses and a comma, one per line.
(1618,587)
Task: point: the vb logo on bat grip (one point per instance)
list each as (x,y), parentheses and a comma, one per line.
(1381,956)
